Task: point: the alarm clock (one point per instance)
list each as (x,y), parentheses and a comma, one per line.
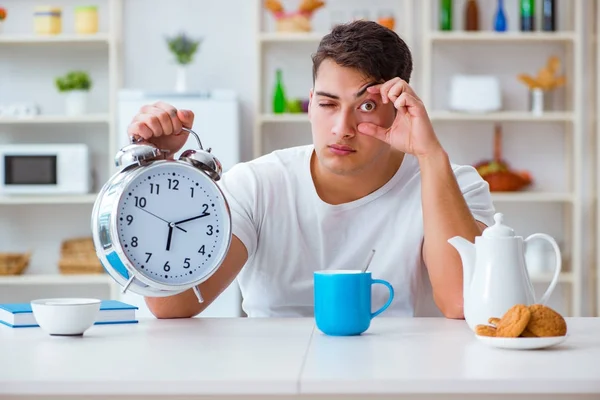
(162,226)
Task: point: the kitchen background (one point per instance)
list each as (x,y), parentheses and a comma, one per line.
(479,86)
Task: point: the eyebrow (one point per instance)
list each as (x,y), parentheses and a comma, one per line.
(357,95)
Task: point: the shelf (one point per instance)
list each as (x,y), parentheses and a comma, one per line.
(503,37)
(48,199)
(60,38)
(514,116)
(55,119)
(56,279)
(525,196)
(300,117)
(276,37)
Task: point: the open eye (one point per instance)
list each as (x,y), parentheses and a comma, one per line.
(368,106)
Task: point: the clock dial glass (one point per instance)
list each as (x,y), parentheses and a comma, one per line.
(173,224)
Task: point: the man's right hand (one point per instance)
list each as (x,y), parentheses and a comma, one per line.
(160,124)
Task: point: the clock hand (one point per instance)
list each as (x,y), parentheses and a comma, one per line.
(169,237)
(181,229)
(191,219)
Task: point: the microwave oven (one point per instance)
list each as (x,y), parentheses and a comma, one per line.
(44,169)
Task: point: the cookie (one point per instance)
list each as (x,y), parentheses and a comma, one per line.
(546,322)
(494,321)
(527,333)
(514,321)
(485,330)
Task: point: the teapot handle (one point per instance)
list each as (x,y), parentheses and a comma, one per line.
(557,268)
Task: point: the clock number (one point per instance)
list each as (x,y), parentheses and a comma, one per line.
(173,184)
(205,209)
(186,263)
(140,201)
(167,267)
(210,230)
(134,241)
(149,255)
(201,251)
(192,189)
(129,219)
(152,185)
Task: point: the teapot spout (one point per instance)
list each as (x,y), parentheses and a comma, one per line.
(466,250)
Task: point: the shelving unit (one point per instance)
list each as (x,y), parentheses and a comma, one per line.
(404,15)
(570,121)
(63,215)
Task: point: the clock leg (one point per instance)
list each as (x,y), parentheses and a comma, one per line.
(198,294)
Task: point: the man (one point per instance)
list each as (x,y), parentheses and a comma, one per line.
(376,177)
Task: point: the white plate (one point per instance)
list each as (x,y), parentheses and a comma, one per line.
(521,343)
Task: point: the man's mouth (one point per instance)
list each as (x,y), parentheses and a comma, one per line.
(341,149)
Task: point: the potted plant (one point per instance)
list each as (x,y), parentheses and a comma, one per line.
(2,17)
(183,48)
(76,86)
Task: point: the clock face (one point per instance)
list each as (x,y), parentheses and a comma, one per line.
(173,224)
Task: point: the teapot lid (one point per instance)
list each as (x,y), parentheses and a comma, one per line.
(498,229)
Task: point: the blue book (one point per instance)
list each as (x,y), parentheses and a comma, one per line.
(20,315)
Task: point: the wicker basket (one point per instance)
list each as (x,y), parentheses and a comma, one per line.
(80,265)
(14,263)
(78,256)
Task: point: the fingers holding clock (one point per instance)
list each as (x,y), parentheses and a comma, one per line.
(158,119)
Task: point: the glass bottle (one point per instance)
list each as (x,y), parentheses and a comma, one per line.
(279,100)
(527,15)
(445,15)
(500,20)
(471,16)
(549,15)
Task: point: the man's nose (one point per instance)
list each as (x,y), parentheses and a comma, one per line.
(345,126)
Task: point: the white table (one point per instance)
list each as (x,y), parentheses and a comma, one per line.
(290,358)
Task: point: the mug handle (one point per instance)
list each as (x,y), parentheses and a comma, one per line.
(386,305)
(557,267)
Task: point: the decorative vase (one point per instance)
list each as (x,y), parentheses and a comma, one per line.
(76,102)
(181,79)
(540,101)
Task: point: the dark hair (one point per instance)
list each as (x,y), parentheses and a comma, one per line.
(367,46)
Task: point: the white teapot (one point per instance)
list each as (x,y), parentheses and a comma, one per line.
(495,275)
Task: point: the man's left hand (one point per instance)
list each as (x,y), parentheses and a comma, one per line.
(412,131)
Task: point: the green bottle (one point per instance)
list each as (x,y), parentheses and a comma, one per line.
(527,15)
(445,15)
(279,100)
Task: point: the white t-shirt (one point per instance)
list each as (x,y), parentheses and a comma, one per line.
(290,232)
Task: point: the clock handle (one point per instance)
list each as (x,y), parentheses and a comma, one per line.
(137,139)
(195,135)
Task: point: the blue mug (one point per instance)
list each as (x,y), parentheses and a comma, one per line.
(343,301)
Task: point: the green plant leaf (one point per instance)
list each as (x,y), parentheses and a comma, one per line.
(73,80)
(183,48)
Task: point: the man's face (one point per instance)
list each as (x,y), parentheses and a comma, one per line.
(338,103)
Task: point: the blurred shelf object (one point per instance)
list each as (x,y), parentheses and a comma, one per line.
(55,279)
(532,197)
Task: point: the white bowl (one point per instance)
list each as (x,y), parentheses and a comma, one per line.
(65,316)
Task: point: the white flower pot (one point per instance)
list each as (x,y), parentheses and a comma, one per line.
(76,102)
(181,81)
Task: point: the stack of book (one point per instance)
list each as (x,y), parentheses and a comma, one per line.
(20,315)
